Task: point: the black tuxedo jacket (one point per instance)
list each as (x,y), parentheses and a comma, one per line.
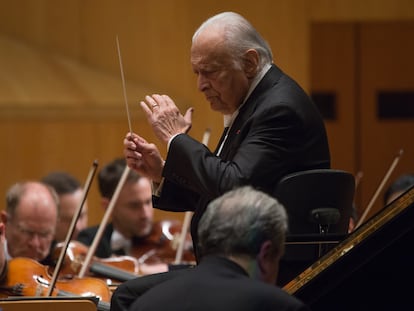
(216,283)
(103,250)
(278,131)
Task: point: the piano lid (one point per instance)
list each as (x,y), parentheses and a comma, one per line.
(366,270)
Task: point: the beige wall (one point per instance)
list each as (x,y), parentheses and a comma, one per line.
(61,102)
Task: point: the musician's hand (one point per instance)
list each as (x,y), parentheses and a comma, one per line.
(165,118)
(143,157)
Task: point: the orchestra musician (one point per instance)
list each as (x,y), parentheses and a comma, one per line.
(30,219)
(70,192)
(398,187)
(27,229)
(132,230)
(241,237)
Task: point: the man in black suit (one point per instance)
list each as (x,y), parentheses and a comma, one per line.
(241,240)
(273,128)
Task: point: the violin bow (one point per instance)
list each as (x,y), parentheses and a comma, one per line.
(104,221)
(72,226)
(187,216)
(121,182)
(380,187)
(358,178)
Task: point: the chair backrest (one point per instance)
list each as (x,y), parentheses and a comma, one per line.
(307,194)
(306,191)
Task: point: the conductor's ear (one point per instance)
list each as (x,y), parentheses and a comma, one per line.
(251,63)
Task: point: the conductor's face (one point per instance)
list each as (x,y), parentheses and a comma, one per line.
(222,80)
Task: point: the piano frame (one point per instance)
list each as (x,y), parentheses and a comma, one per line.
(366,270)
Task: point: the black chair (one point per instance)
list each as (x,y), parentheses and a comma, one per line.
(319,204)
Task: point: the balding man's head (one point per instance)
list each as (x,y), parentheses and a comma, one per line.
(30,217)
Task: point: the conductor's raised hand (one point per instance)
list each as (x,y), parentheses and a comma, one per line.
(165,118)
(143,157)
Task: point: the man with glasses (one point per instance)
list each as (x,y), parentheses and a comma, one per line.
(30,220)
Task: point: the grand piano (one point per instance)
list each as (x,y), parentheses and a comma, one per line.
(371,269)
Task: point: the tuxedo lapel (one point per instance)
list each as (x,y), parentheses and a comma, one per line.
(271,77)
(221,139)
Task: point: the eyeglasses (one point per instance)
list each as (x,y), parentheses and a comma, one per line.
(30,234)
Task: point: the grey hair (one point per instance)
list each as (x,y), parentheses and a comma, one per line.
(238,222)
(16,192)
(239,36)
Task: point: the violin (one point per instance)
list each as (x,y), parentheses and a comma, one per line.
(27,277)
(117,268)
(152,254)
(160,247)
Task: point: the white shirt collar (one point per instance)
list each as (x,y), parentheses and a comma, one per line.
(118,241)
(229,118)
(6,251)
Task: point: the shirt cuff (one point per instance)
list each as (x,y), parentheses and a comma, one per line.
(157,187)
(171,139)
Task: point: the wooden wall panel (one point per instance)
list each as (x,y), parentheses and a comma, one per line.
(155,40)
(386,65)
(358,11)
(33,148)
(370,58)
(333,72)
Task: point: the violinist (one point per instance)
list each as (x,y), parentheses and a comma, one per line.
(29,223)
(131,229)
(398,187)
(70,192)
(30,220)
